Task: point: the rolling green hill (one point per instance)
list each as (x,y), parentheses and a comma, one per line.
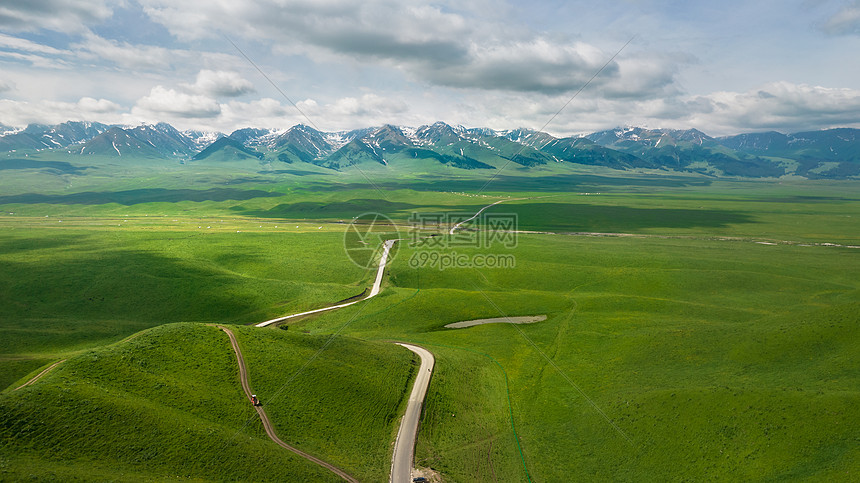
(167,404)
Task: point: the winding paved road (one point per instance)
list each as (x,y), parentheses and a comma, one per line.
(404,445)
(246,386)
(386,248)
(457,226)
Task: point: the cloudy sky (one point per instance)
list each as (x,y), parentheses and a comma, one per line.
(722,67)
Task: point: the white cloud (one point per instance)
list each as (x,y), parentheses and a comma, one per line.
(367,105)
(97,106)
(643,76)
(220,83)
(163,101)
(339,114)
(35,60)
(845,21)
(479,63)
(57,15)
(781,106)
(534,65)
(123,54)
(21,113)
(452,46)
(17,43)
(26,51)
(389,26)
(244,112)
(262,113)
(353,112)
(100,51)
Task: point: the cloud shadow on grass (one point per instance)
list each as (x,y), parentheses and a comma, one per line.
(54,302)
(338,209)
(555,183)
(531,216)
(617,219)
(138,196)
(55,167)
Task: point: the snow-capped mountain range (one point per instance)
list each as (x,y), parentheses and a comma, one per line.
(833,153)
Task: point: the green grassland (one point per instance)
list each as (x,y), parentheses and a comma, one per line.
(679,347)
(164,405)
(167,404)
(66,289)
(735,356)
(466,430)
(345,405)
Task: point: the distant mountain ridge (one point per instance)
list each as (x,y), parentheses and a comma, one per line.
(832,153)
(39,136)
(687,150)
(227,149)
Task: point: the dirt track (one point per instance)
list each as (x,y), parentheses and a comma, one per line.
(41,374)
(246,386)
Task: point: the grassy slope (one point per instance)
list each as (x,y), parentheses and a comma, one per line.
(167,404)
(345,404)
(69,289)
(466,431)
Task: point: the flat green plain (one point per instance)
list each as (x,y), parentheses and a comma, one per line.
(697,329)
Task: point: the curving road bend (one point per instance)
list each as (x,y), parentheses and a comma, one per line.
(404,445)
(246,386)
(386,248)
(377,284)
(374,291)
(457,226)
